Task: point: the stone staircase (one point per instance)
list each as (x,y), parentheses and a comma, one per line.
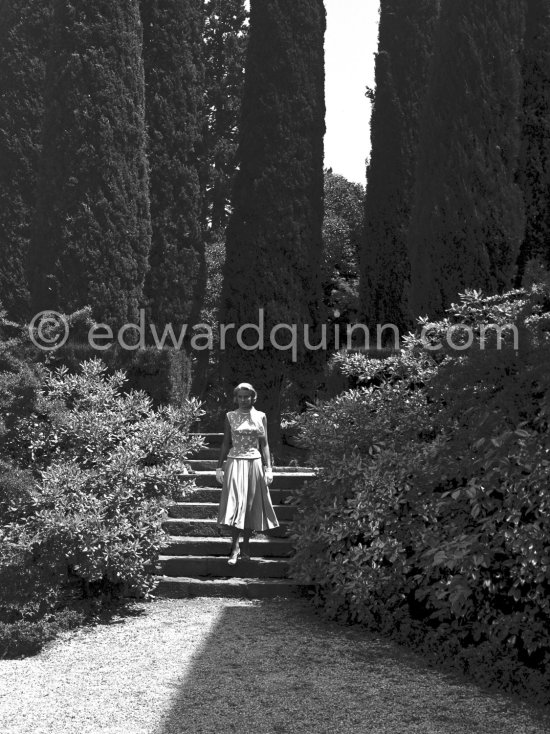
(194,562)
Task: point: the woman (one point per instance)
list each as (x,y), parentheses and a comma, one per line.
(245,503)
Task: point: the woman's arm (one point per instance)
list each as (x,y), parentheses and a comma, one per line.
(264,444)
(226,443)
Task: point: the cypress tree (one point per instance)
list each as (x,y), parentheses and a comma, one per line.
(274,236)
(405,46)
(225,39)
(468,221)
(24,37)
(174,75)
(534,169)
(92,232)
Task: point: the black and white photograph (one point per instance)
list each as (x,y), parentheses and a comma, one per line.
(275,366)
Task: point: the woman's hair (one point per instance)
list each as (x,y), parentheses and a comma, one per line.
(245,386)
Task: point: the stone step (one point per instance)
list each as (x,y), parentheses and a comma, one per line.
(208,527)
(208,452)
(213,494)
(198,566)
(210,510)
(202,464)
(185,586)
(281,480)
(205,546)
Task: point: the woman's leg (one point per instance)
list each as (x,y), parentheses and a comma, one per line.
(236,536)
(245,548)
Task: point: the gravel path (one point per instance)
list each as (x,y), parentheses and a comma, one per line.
(209,666)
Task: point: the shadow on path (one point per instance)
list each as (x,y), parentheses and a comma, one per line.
(276,667)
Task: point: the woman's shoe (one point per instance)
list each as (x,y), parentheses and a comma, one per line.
(234,557)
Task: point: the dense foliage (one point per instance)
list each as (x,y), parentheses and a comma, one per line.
(405,48)
(342,230)
(467,222)
(175,115)
(207,378)
(81,80)
(274,236)
(24,38)
(91,234)
(429,519)
(534,164)
(20,380)
(104,461)
(86,472)
(225,40)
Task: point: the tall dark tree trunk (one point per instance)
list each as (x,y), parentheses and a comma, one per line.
(24,42)
(92,231)
(468,219)
(175,113)
(405,48)
(274,237)
(534,170)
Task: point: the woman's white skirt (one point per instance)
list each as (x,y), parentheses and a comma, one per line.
(245,500)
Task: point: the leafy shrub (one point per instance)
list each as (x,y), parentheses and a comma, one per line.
(430,517)
(16,492)
(86,470)
(20,376)
(106,464)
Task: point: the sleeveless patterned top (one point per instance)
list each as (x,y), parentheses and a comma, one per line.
(245,430)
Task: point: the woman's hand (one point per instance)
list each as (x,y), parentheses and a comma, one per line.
(268,475)
(219,475)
